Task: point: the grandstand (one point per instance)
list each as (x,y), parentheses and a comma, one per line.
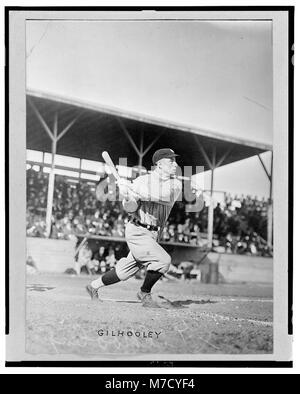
(85,129)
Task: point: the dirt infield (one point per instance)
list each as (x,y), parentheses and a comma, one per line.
(193,319)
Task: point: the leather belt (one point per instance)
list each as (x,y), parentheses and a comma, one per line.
(149,227)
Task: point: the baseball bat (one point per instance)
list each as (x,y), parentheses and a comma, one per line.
(110,163)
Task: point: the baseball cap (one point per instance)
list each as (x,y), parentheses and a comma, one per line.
(165,153)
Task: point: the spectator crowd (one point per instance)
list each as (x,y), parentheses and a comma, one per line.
(240,223)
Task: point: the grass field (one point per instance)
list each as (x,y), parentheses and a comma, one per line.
(193,319)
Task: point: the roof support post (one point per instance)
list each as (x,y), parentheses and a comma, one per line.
(153,142)
(270,208)
(51,180)
(80,167)
(141,154)
(53,135)
(270,201)
(210,230)
(271,178)
(221,160)
(41,119)
(264,166)
(208,162)
(130,139)
(211,162)
(67,128)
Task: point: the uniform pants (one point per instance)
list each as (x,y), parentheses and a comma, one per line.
(144,251)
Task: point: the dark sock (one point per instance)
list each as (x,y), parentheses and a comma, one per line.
(110,277)
(151,278)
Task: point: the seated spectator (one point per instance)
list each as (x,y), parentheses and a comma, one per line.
(31,268)
(36,227)
(186,267)
(180,235)
(118,230)
(165,236)
(103,267)
(67,229)
(92,267)
(100,257)
(186,230)
(111,259)
(195,236)
(84,258)
(172,233)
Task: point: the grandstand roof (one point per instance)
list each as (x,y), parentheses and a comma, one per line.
(99,128)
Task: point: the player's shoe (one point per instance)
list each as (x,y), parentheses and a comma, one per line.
(93,293)
(147,300)
(141,295)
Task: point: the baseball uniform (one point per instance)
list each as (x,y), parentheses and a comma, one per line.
(155,195)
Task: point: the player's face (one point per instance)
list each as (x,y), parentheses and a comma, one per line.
(168,166)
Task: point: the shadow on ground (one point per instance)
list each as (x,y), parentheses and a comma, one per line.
(164,302)
(184,303)
(38,287)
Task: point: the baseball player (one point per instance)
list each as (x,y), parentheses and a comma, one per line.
(149,200)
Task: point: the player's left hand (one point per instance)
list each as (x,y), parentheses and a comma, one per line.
(124,187)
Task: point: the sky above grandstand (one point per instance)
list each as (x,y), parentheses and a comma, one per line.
(211,75)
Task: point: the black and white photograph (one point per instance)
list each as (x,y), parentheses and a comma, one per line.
(149,188)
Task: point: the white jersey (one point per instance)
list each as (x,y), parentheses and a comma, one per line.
(156,196)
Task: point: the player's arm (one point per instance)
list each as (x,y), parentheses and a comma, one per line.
(129,191)
(176,193)
(173,194)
